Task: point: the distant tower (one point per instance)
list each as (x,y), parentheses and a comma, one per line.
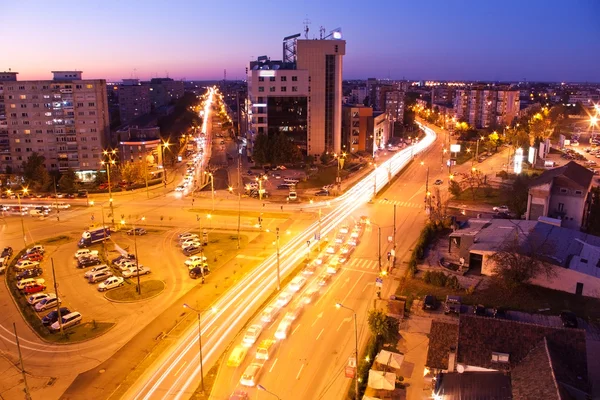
(306,23)
(321,32)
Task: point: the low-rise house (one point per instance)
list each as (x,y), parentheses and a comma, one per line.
(495,358)
(561,193)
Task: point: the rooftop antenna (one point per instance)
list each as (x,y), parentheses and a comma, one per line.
(306,23)
(321,32)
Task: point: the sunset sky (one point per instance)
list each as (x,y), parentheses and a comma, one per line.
(438,39)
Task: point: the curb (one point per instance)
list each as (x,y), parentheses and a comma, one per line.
(137,301)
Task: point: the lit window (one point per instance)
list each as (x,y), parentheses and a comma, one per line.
(23,97)
(89,86)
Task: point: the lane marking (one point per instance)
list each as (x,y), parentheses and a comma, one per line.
(348,319)
(320,315)
(294,331)
(299,372)
(367,285)
(273,366)
(179,370)
(320,333)
(350,291)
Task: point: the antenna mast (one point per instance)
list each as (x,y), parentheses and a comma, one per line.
(306,23)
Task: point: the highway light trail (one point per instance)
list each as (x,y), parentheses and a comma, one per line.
(178,371)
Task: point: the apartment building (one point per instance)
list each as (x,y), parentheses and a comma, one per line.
(394,105)
(483,107)
(163,91)
(134,100)
(5,77)
(278,98)
(64,119)
(357,129)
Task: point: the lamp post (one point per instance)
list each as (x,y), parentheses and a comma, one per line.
(109,162)
(261,387)
(260,188)
(340,305)
(277,247)
(340,164)
(199,313)
(139,286)
(164,145)
(374,179)
(24,190)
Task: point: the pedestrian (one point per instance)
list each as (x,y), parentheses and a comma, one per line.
(193,202)
(281,208)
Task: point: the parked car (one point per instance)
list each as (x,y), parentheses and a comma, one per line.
(99,268)
(194,261)
(38,248)
(88,261)
(29,281)
(121,258)
(322,193)
(29,273)
(568,319)
(137,231)
(438,182)
(430,302)
(68,321)
(196,272)
(499,312)
(133,271)
(33,257)
(111,283)
(7,252)
(479,310)
(37,297)
(52,316)
(452,304)
(188,251)
(187,235)
(99,276)
(47,303)
(500,209)
(34,288)
(25,264)
(85,252)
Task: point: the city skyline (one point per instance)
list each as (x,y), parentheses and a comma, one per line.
(537,41)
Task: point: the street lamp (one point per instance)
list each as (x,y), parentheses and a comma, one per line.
(340,305)
(103,227)
(261,387)
(164,145)
(199,313)
(260,181)
(24,190)
(139,286)
(340,164)
(277,245)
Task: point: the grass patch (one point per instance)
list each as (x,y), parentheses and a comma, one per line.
(529,298)
(84,331)
(128,293)
(487,195)
(56,240)
(230,213)
(221,247)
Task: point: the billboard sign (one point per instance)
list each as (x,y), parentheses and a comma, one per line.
(518,161)
(531,157)
(455,148)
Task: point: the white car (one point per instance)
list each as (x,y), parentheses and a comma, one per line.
(47,303)
(38,248)
(97,268)
(180,188)
(283,329)
(184,235)
(85,252)
(269,314)
(110,283)
(344,229)
(251,335)
(353,241)
(296,284)
(191,242)
(194,261)
(251,374)
(133,271)
(283,299)
(501,209)
(26,264)
(22,284)
(124,266)
(37,297)
(61,205)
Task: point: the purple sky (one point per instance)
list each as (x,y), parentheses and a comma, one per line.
(439,39)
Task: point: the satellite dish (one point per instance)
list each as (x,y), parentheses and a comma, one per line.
(276,66)
(255,67)
(460,368)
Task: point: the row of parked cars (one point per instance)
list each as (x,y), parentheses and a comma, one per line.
(103,273)
(324,267)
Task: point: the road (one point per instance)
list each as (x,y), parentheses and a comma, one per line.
(309,364)
(175,375)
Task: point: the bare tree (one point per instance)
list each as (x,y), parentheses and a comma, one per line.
(520,259)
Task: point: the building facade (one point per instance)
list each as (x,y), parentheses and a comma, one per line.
(561,193)
(323,60)
(483,107)
(394,105)
(164,91)
(357,129)
(5,78)
(65,119)
(138,144)
(134,100)
(278,100)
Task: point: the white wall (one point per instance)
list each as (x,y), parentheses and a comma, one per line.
(566,280)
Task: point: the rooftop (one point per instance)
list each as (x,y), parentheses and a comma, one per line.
(574,172)
(443,337)
(473,385)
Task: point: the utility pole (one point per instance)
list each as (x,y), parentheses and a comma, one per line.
(57,298)
(146,177)
(27,394)
(137,266)
(56,197)
(239,157)
(394,261)
(379,247)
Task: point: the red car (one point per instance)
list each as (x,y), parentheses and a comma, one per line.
(35,288)
(33,257)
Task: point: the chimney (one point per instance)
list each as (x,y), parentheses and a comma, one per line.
(451,359)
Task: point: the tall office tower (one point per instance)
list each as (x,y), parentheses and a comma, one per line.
(64,119)
(134,100)
(482,107)
(323,61)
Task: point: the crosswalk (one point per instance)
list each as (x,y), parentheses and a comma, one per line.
(406,204)
(362,263)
